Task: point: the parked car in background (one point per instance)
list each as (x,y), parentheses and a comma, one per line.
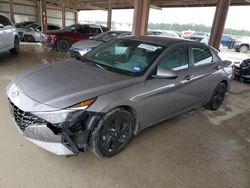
(242,44)
(33,32)
(118,89)
(9,40)
(23,24)
(79,48)
(63,39)
(187,34)
(242,71)
(170,34)
(198,36)
(205,40)
(227,41)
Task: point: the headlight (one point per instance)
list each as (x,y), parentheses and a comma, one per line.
(65,115)
(84,51)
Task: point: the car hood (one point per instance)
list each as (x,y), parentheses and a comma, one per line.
(83,44)
(69,82)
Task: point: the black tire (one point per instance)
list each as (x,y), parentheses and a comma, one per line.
(63,45)
(113,133)
(15,50)
(29,38)
(217,97)
(244,49)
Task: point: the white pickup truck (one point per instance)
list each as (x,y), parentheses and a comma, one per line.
(242,45)
(8,36)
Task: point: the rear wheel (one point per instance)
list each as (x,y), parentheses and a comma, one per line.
(217,97)
(15,50)
(112,134)
(243,49)
(63,45)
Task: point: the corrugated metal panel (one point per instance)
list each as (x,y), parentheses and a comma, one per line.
(4,7)
(22,9)
(70,15)
(21,18)
(69,22)
(24,2)
(55,21)
(54,13)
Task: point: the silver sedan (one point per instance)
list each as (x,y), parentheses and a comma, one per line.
(118,89)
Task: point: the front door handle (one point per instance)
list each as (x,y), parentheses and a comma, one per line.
(189,77)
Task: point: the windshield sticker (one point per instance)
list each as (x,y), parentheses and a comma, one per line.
(137,69)
(149,47)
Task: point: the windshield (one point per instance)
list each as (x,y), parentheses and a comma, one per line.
(32,26)
(71,27)
(125,56)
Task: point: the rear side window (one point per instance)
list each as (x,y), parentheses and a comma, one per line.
(202,56)
(4,21)
(177,59)
(95,30)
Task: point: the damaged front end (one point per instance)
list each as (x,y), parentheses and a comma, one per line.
(63,132)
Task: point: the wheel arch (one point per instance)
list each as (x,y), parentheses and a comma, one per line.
(245,44)
(134,114)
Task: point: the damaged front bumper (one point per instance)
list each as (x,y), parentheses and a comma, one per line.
(69,138)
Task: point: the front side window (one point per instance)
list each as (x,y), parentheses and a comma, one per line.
(4,21)
(125,56)
(83,30)
(176,59)
(202,56)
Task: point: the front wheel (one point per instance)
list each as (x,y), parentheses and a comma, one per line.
(15,50)
(217,97)
(243,49)
(63,45)
(113,133)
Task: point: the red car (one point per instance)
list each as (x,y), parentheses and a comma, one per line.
(62,40)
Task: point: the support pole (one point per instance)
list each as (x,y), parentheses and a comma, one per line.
(63,16)
(12,17)
(141,14)
(219,21)
(43,15)
(109,22)
(76,17)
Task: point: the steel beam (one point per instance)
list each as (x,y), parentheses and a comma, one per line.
(43,15)
(109,14)
(219,21)
(63,16)
(141,14)
(12,17)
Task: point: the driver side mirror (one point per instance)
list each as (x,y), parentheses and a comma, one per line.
(166,73)
(1,26)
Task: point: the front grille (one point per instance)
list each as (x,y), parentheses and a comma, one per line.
(24,119)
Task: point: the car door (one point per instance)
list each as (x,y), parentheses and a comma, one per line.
(206,71)
(6,33)
(167,97)
(81,33)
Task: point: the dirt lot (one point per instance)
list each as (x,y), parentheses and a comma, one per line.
(197,149)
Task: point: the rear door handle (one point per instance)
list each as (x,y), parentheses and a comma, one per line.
(218,67)
(189,77)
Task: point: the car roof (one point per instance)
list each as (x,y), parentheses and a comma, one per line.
(165,41)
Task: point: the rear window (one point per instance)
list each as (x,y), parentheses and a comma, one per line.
(4,21)
(202,56)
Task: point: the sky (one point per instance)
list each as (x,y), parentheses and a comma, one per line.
(238,16)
